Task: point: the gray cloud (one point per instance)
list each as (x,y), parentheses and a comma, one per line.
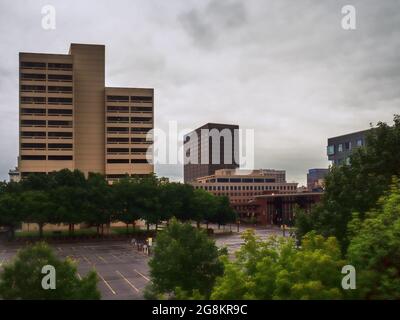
(283,68)
(208,24)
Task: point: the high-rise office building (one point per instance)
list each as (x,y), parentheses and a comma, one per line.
(69,119)
(212,147)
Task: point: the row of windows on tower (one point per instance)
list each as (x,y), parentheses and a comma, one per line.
(42,111)
(42,123)
(44,157)
(111,98)
(122,161)
(127,119)
(42,100)
(125,109)
(49,77)
(126,141)
(50,89)
(44,65)
(42,135)
(42,146)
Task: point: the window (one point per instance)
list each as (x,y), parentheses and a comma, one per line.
(33,76)
(60,158)
(141,120)
(138,150)
(60,66)
(139,140)
(141,99)
(60,145)
(348,145)
(27,88)
(117,150)
(117,109)
(118,119)
(117,130)
(359,142)
(117,140)
(34,100)
(62,135)
(140,130)
(142,109)
(340,147)
(330,150)
(33,65)
(56,123)
(60,77)
(33,134)
(59,100)
(31,111)
(117,160)
(33,123)
(118,98)
(59,89)
(59,112)
(33,146)
(139,161)
(31,157)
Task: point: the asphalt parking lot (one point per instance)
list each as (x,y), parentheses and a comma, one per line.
(122,270)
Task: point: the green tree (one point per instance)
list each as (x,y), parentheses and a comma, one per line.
(356,187)
(149,201)
(69,195)
(277,269)
(185,259)
(203,206)
(125,195)
(22,278)
(98,205)
(11,211)
(37,207)
(224,213)
(375,248)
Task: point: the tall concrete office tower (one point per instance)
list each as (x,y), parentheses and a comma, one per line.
(69,119)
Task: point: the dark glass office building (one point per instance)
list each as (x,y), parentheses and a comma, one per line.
(209,148)
(340,148)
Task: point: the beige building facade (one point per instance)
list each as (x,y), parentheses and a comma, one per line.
(66,113)
(243,186)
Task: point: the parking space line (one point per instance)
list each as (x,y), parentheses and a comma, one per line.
(130,283)
(79,276)
(86,259)
(101,258)
(142,275)
(107,284)
(118,258)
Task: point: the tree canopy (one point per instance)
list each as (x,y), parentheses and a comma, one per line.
(356,187)
(68,197)
(22,278)
(375,248)
(277,269)
(185,259)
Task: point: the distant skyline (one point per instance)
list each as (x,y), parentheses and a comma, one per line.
(283,68)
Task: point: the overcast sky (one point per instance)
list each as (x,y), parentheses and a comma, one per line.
(286,69)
